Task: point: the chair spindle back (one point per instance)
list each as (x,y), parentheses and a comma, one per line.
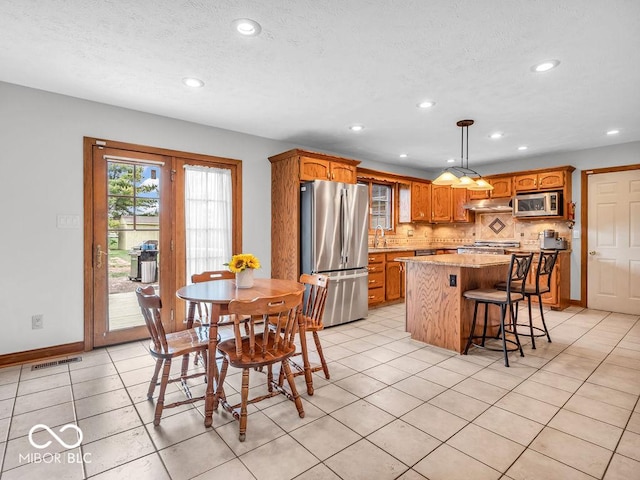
(150,304)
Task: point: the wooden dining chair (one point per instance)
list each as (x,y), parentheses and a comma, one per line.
(166,346)
(204,309)
(263,347)
(312,314)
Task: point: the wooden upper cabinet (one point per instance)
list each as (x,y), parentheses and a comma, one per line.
(314,169)
(539,181)
(321,169)
(420,201)
(460,197)
(551,180)
(502,188)
(526,182)
(342,172)
(441,203)
(478,194)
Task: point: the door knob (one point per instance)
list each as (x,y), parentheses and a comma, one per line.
(592,252)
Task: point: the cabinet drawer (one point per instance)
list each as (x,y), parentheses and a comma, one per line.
(376,257)
(376,279)
(376,295)
(375,268)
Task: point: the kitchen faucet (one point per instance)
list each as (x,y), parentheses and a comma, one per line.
(375,236)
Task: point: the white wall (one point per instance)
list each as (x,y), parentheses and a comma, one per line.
(42,170)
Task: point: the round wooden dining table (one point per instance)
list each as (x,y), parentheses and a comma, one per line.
(218,293)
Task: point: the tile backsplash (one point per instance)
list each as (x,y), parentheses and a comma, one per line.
(487,226)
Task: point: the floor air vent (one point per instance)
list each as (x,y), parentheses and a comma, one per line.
(63,361)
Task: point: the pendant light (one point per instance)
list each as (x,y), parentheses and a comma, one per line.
(450,175)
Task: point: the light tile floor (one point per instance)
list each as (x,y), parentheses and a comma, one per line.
(394,408)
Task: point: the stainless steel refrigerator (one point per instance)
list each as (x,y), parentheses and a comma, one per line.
(334,223)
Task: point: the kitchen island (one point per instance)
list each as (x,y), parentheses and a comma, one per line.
(437,313)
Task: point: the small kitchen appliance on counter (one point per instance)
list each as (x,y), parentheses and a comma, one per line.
(549,240)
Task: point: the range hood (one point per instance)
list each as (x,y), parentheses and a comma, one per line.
(498,205)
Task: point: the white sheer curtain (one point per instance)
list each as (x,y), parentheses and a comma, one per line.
(208,211)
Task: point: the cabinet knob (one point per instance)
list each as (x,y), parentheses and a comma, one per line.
(592,252)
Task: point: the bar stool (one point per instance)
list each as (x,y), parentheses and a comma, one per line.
(546,262)
(518,270)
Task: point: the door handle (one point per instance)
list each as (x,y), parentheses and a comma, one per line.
(592,252)
(99,254)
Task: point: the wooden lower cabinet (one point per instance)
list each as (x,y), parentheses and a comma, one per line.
(393,281)
(387,277)
(394,276)
(559,296)
(376,278)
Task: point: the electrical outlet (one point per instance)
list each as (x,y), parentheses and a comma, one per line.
(453,280)
(37,322)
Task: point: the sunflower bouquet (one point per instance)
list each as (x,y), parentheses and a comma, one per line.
(242,261)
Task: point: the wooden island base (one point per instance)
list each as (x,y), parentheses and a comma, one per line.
(436,311)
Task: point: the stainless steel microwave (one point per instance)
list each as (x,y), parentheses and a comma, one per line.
(541,204)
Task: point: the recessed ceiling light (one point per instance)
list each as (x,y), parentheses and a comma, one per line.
(193,82)
(403,155)
(613,132)
(426,104)
(545,66)
(522,147)
(246,27)
(451,160)
(496,135)
(356,128)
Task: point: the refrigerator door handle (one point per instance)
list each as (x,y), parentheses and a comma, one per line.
(344,226)
(350,276)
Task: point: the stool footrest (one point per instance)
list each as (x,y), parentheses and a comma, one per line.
(499,339)
(528,333)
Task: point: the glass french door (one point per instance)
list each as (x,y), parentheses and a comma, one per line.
(131,239)
(148,222)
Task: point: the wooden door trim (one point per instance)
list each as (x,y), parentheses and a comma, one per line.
(584,221)
(88,211)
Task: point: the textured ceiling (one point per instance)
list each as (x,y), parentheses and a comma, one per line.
(319,66)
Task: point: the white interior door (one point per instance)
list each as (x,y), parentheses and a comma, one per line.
(613,279)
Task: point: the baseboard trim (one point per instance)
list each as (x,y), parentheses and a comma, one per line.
(577,303)
(41,353)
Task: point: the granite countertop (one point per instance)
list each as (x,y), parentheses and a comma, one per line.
(471,260)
